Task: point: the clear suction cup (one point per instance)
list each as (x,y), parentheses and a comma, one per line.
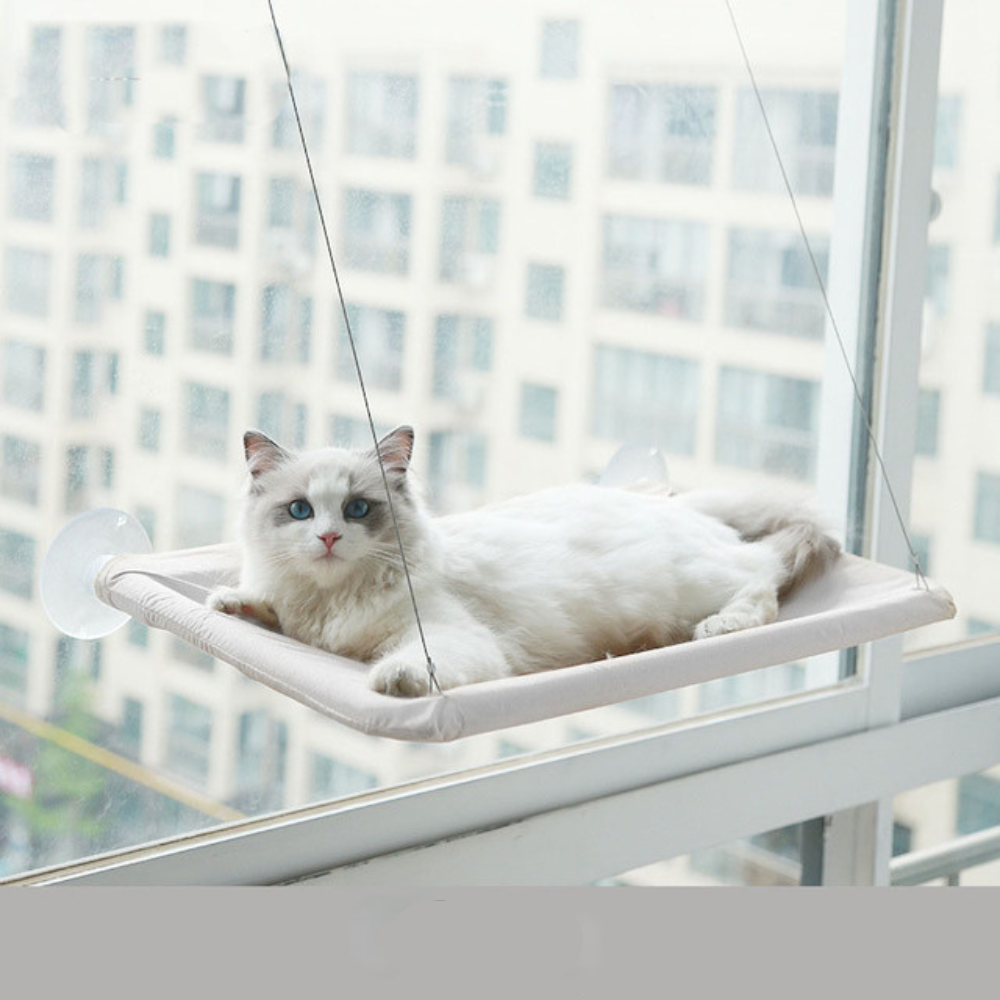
(71,565)
(632,463)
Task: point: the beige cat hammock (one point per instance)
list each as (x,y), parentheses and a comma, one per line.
(99,572)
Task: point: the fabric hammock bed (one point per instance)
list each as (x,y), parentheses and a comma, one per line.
(855,601)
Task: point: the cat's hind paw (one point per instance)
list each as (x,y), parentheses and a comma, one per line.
(401,678)
(231,601)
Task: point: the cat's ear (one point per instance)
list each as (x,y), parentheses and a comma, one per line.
(396,448)
(262,453)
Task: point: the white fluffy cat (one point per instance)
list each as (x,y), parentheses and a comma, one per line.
(563,576)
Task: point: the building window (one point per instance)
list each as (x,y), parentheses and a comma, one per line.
(379,337)
(130,728)
(987,516)
(103,184)
(382,115)
(224,107)
(165,139)
(100,278)
(213,314)
(767,422)
(137,634)
(463,354)
(938,287)
(804,124)
(655,266)
(159,235)
(991,360)
(110,75)
(560,45)
(189,738)
(281,419)
(206,421)
(146,516)
(662,132)
(200,517)
(291,223)
(15,646)
(643,398)
(310,92)
(377,231)
(477,118)
(947,131)
(928,419)
(544,293)
(978,803)
(28,275)
(39,99)
(281,203)
(470,237)
(24,376)
(333,779)
(89,476)
(31,184)
(456,462)
(996,214)
(154,332)
(771,284)
(553,170)
(261,759)
(95,378)
(149,429)
(17,563)
(538,412)
(173,44)
(980,626)
(286,326)
(217,216)
(21,468)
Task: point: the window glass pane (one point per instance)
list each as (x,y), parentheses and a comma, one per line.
(936,815)
(955,506)
(382,114)
(560,42)
(31,183)
(554,240)
(772,858)
(662,132)
(553,170)
(655,265)
(538,412)
(223,103)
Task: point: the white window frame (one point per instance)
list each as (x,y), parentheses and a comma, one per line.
(841,752)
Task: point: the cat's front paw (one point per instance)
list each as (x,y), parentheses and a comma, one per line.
(231,601)
(724,623)
(402,678)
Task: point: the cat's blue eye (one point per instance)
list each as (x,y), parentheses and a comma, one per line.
(356,508)
(301,510)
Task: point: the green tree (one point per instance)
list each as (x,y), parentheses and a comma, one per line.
(66,816)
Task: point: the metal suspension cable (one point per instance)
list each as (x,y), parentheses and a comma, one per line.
(825,296)
(350,337)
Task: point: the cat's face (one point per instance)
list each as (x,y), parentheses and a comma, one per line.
(320,514)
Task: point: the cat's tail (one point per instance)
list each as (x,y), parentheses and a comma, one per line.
(789,525)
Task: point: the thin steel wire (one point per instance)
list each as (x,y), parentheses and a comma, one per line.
(350,337)
(826,298)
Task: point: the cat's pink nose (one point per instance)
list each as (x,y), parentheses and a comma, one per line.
(329,538)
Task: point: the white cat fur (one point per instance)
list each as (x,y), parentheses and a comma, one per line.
(559,577)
